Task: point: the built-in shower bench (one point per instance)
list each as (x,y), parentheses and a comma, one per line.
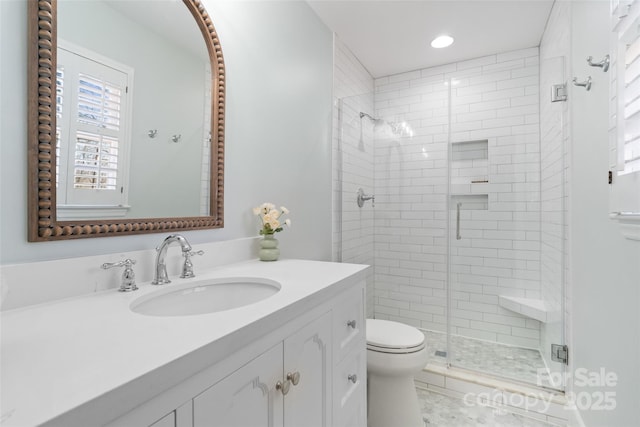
(529,307)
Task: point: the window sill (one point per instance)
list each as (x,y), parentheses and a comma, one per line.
(74,212)
(629,224)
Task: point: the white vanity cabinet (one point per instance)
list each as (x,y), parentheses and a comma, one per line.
(350,371)
(289,385)
(306,376)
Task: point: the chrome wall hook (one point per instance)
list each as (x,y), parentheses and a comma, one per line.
(176,138)
(604,64)
(152,133)
(586,84)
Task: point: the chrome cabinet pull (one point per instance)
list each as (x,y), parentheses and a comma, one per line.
(294,378)
(283,387)
(353,378)
(351,323)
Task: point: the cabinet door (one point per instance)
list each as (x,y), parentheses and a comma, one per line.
(168,420)
(349,391)
(246,398)
(308,352)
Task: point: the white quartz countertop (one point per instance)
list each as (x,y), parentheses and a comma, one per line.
(58,356)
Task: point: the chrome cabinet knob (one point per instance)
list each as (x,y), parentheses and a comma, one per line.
(294,378)
(351,323)
(353,378)
(283,387)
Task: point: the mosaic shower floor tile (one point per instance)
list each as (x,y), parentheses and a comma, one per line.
(439,410)
(521,364)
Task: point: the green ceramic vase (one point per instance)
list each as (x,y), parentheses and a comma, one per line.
(269,248)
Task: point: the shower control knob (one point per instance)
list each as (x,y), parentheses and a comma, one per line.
(294,378)
(351,323)
(353,378)
(283,387)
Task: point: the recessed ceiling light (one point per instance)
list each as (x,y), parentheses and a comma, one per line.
(442,41)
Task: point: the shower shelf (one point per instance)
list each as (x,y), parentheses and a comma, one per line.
(470,201)
(469,169)
(529,307)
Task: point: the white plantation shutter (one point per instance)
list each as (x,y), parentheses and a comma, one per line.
(97,137)
(624,129)
(93,130)
(628,62)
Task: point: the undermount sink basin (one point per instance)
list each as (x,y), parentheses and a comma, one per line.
(205,296)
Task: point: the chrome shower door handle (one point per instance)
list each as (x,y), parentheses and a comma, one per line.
(458,236)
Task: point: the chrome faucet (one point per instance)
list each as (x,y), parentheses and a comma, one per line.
(161,276)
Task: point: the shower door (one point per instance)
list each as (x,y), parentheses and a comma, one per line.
(506,227)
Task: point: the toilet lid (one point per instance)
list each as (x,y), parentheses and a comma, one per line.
(385,335)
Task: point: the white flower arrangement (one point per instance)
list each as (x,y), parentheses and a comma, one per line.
(270,218)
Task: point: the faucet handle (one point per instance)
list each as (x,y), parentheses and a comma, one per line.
(187,267)
(128,275)
(192,253)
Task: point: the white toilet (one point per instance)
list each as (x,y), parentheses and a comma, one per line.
(395,353)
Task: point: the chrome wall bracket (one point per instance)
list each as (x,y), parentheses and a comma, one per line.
(559,92)
(560,353)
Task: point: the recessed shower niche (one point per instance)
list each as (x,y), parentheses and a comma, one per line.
(469,169)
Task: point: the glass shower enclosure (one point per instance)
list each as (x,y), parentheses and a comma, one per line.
(466,228)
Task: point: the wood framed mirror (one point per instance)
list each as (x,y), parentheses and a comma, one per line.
(48,218)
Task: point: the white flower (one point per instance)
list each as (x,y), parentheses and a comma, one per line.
(270,218)
(268,206)
(274,224)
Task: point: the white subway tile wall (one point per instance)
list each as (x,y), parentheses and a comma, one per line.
(352,163)
(488,108)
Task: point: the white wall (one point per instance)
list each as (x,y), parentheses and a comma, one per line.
(605,267)
(278,122)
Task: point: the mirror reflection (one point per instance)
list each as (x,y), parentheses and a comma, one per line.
(133,111)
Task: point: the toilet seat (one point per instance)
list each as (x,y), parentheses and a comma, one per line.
(384,336)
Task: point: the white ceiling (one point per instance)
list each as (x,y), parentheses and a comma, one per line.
(394,36)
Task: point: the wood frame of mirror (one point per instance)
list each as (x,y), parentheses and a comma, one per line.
(42,224)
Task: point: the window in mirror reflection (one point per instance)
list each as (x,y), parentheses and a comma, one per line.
(93,130)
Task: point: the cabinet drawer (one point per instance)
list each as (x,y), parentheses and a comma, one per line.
(349,391)
(348,323)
